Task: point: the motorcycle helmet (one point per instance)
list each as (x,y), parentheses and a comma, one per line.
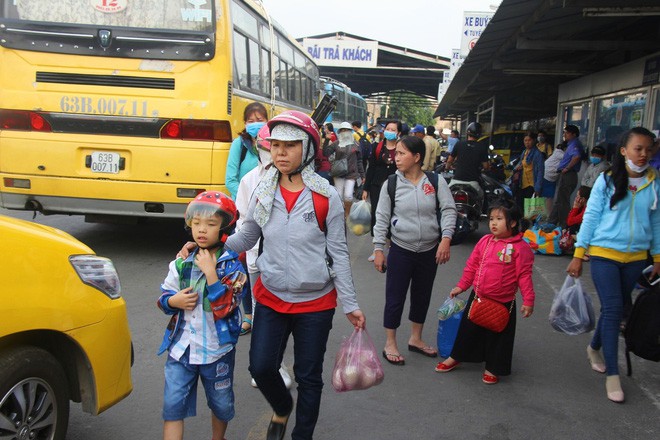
(303,122)
(210,203)
(262,136)
(474,129)
(263,146)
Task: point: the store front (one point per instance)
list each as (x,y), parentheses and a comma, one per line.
(608,103)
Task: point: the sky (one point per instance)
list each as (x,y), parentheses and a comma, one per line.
(432,26)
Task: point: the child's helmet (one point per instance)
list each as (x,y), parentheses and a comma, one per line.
(300,120)
(210,203)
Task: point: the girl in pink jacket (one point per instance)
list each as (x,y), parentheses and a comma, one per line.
(500,264)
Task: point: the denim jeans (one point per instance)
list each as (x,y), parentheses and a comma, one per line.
(270,334)
(181,377)
(614,283)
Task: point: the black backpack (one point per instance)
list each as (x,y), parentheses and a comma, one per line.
(365,146)
(642,331)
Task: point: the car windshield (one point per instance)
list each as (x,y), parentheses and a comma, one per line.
(177,15)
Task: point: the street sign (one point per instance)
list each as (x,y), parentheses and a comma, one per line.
(474,24)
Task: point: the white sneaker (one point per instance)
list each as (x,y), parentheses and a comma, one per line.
(286,377)
(371,258)
(253,383)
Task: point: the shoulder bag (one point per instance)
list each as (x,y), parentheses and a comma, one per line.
(485,312)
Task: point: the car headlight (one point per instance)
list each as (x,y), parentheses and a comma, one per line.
(98,272)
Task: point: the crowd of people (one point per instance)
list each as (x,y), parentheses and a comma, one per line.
(293,184)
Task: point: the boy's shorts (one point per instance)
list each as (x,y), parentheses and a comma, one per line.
(180,397)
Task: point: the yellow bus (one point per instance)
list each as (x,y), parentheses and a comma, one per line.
(128,107)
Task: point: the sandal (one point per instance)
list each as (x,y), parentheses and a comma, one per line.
(398,359)
(426,350)
(246,330)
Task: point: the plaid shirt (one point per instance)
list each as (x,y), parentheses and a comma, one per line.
(208,339)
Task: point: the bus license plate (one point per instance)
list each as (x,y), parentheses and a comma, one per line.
(103,162)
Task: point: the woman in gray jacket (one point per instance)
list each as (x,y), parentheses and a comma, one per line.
(345,150)
(418,244)
(301,219)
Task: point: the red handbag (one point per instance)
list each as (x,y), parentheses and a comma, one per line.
(486,312)
(489,314)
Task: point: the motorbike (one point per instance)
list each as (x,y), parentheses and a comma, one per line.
(497,165)
(471,206)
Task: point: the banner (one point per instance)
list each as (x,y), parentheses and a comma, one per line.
(342,53)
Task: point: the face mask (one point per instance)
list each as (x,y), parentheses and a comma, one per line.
(390,135)
(253,128)
(595,160)
(264,157)
(540,139)
(635,168)
(345,137)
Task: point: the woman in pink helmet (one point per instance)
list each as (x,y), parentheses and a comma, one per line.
(304,267)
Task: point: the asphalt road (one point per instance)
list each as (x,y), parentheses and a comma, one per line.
(552,393)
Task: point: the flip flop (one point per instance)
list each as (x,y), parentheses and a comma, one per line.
(245,331)
(426,350)
(399,361)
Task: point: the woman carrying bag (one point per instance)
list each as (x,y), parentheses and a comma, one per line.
(620,226)
(418,244)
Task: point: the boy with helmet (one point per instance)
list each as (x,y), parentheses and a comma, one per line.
(468,158)
(202,293)
(304,267)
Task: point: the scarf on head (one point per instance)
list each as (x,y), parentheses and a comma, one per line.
(265,191)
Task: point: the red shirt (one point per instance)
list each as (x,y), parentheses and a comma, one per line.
(575,216)
(265,297)
(290,197)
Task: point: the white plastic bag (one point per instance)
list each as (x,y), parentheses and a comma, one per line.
(450,307)
(359,218)
(572,311)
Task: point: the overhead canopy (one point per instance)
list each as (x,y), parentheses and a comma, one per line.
(398,68)
(531,46)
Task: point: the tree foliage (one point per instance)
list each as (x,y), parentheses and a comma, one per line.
(411,108)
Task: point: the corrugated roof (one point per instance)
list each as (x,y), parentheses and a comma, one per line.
(531,46)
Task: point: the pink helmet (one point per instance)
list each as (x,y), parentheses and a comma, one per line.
(264,133)
(300,120)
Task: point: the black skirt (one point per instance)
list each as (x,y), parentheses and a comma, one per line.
(477,344)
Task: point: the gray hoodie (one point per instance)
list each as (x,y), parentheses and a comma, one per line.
(293,263)
(414,224)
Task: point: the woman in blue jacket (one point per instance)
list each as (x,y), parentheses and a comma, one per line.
(243,155)
(620,226)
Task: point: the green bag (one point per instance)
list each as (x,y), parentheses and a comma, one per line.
(535,207)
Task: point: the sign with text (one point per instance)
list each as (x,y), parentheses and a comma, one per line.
(342,53)
(474,24)
(456,62)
